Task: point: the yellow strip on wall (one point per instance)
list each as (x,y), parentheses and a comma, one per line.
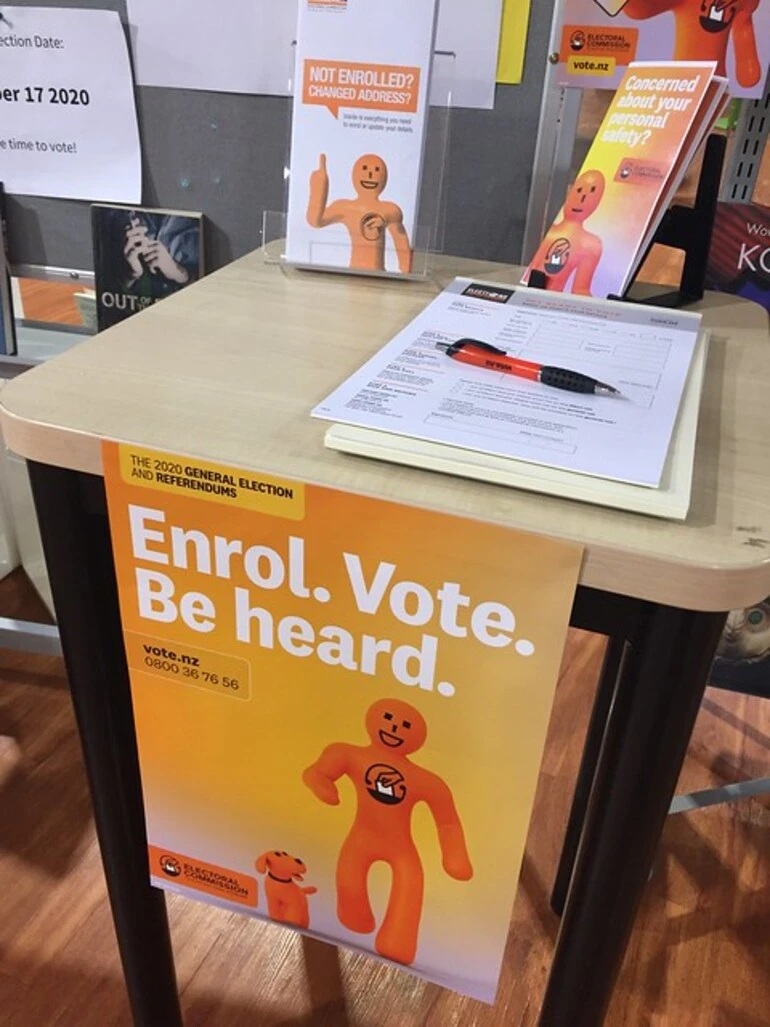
(513,41)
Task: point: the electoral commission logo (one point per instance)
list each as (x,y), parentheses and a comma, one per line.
(170,866)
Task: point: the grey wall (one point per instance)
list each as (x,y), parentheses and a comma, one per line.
(223,154)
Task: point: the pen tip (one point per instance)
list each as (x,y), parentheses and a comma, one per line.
(607,390)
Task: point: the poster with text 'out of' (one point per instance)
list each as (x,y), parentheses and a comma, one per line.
(600,38)
(340,704)
(68,124)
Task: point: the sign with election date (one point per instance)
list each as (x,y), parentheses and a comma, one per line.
(340,704)
(68,124)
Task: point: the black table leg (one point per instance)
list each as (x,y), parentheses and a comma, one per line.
(661,685)
(605,692)
(78,553)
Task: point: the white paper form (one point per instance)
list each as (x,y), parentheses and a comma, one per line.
(412,388)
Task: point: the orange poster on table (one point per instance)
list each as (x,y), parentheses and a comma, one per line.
(340,704)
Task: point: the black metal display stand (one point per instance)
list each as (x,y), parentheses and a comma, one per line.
(682,228)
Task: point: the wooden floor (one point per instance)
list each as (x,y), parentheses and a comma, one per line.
(699,957)
(50,301)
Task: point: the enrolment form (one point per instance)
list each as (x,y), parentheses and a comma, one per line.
(410,387)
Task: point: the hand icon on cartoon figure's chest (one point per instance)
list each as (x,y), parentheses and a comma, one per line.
(717,15)
(372,226)
(558,257)
(385,784)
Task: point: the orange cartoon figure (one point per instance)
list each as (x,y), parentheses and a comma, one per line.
(367,217)
(569,248)
(388,787)
(703,28)
(286,900)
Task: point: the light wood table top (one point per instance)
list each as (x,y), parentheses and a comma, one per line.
(228,370)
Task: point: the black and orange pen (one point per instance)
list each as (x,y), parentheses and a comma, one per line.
(481,354)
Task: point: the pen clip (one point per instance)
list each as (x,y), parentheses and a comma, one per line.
(463,343)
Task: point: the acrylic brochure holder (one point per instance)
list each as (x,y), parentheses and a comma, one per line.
(689,229)
(429,226)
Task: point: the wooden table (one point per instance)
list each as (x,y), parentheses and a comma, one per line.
(227,371)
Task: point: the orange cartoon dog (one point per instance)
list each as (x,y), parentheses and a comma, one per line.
(367,217)
(286,901)
(703,28)
(388,787)
(569,247)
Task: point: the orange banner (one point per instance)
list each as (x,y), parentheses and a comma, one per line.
(380,87)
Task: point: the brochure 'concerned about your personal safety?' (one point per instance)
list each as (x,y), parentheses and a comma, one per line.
(411,387)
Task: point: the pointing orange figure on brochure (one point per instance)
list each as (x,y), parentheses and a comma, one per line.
(569,248)
(388,787)
(704,28)
(367,217)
